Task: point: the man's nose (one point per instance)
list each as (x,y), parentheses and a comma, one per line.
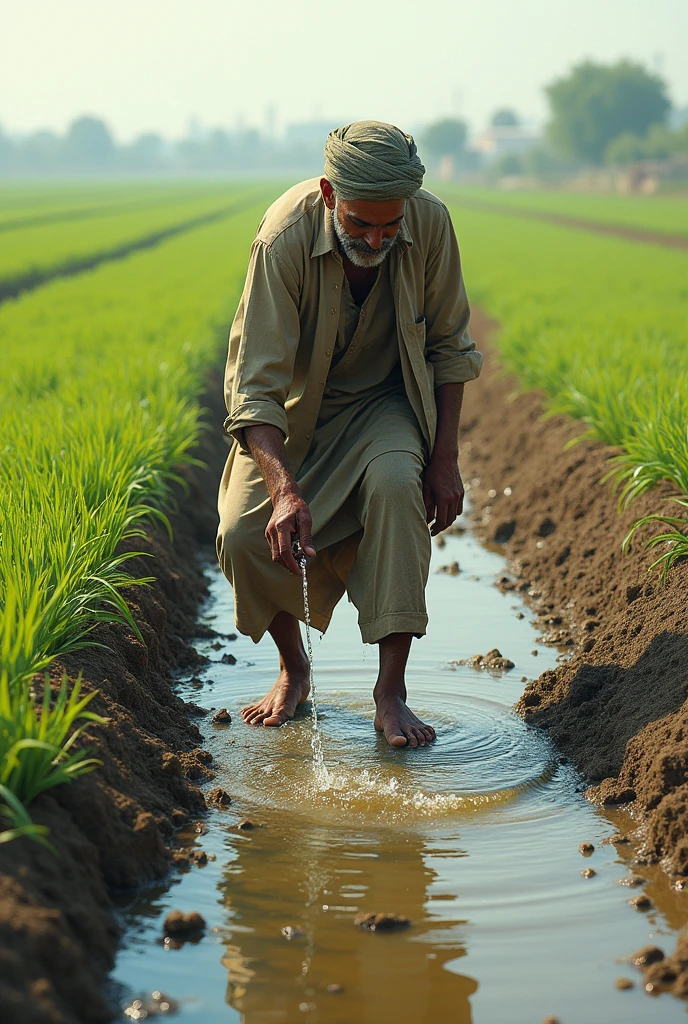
(374,238)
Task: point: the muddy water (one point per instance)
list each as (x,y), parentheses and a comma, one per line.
(475,839)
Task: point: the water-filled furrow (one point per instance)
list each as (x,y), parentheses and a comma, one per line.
(474,838)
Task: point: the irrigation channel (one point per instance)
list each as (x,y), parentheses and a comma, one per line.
(474,838)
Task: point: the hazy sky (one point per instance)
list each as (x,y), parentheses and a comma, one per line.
(152,64)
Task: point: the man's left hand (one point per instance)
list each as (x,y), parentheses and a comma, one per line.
(442,490)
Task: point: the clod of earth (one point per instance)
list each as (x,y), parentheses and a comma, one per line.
(646,955)
(195,709)
(222,717)
(228,659)
(641,902)
(618,839)
(179,923)
(246,825)
(190,855)
(493,661)
(218,797)
(631,880)
(292,932)
(623,983)
(382,922)
(440,541)
(588,872)
(452,569)
(520,615)
(586,849)
(661,973)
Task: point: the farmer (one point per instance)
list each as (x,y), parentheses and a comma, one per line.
(347,361)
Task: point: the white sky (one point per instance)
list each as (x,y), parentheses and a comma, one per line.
(153,64)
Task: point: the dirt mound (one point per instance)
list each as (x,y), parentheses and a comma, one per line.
(618,707)
(113,829)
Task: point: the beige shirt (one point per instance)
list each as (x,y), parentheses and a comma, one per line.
(285,331)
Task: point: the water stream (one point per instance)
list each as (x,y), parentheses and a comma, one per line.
(474,838)
(322,776)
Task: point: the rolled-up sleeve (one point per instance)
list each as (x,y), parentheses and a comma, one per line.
(262,344)
(448,345)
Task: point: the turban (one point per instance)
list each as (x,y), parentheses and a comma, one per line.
(373,161)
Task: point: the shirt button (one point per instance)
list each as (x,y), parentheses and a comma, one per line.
(333,310)
(336,287)
(327,351)
(308,436)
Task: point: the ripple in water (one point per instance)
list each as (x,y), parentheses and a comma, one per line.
(484,756)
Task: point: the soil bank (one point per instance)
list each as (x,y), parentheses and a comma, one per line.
(113,829)
(618,707)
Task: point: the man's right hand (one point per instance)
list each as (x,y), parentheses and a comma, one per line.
(290,521)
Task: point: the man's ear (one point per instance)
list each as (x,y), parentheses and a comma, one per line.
(327,193)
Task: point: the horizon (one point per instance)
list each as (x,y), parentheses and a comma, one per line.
(82,65)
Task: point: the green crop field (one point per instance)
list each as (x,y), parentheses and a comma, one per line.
(665,214)
(45,248)
(99,405)
(599,325)
(99,402)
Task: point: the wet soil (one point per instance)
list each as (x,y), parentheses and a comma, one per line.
(115,828)
(618,707)
(579,223)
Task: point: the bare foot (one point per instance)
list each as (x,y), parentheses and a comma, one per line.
(279,705)
(399,724)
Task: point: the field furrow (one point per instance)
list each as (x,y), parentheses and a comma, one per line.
(33,256)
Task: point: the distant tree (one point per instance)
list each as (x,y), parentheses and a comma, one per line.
(510,164)
(504,118)
(625,149)
(595,103)
(89,145)
(6,151)
(40,152)
(660,143)
(145,153)
(444,138)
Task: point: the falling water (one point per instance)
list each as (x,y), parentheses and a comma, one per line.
(322,776)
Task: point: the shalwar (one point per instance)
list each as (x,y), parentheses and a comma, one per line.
(358,388)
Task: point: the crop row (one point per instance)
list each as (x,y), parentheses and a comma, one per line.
(98,407)
(36,252)
(600,326)
(663,214)
(60,206)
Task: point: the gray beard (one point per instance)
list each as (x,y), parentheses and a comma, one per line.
(358,251)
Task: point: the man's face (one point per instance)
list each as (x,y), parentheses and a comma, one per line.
(367,230)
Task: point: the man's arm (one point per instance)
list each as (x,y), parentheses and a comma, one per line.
(442,484)
(291,517)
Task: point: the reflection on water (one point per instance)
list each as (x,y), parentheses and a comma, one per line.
(474,838)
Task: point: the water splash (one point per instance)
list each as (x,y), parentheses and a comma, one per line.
(322,776)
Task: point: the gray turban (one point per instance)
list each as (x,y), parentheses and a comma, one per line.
(373,161)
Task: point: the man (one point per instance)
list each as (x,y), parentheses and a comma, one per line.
(347,361)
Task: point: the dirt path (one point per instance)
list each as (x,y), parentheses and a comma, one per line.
(580,224)
(618,708)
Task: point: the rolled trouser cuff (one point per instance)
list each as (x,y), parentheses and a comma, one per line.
(393,622)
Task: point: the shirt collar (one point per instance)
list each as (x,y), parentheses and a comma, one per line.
(326,240)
